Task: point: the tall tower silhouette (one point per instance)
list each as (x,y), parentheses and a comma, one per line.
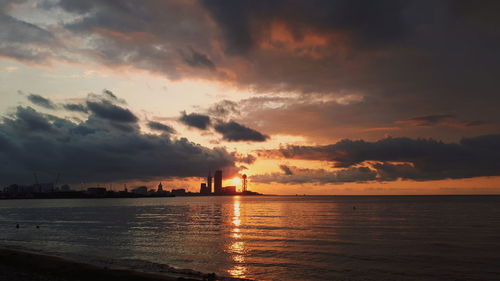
(209,182)
(244,177)
(218,182)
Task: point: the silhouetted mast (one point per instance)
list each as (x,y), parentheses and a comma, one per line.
(244,177)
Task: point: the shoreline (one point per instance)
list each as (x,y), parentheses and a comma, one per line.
(263,195)
(111,195)
(26,265)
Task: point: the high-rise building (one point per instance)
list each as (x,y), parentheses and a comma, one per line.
(209,182)
(203,188)
(160,187)
(218,182)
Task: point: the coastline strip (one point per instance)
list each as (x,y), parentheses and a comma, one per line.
(20,265)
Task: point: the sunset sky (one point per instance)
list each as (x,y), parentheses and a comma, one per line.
(307,97)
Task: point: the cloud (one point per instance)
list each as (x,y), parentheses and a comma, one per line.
(405,158)
(107,110)
(25,41)
(224,108)
(232,131)
(160,127)
(247,159)
(367,61)
(294,175)
(76,107)
(196,59)
(320,119)
(428,120)
(286,170)
(94,151)
(27,119)
(41,101)
(110,94)
(146,36)
(438,120)
(362,19)
(195,120)
(373,48)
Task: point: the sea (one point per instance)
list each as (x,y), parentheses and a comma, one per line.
(270,237)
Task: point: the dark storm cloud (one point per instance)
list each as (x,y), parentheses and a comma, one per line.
(416,159)
(76,107)
(397,28)
(196,120)
(233,20)
(393,53)
(232,131)
(27,119)
(321,46)
(41,101)
(106,110)
(371,22)
(294,175)
(89,151)
(402,58)
(160,127)
(196,59)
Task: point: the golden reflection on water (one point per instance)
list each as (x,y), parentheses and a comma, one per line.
(237,247)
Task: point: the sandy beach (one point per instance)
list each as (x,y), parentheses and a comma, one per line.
(21,265)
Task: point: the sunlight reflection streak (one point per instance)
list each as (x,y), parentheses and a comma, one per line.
(237,248)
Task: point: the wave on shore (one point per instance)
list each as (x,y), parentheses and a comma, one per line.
(19,264)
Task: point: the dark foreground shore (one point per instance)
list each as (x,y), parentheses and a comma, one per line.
(17,265)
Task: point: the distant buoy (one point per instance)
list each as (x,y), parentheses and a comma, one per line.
(17,225)
(37,226)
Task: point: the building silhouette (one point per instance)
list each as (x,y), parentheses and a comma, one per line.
(143,190)
(160,187)
(229,189)
(179,191)
(218,182)
(209,182)
(204,189)
(97,191)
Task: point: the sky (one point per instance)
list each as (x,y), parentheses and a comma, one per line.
(305,97)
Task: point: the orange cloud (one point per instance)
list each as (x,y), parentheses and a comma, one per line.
(280,37)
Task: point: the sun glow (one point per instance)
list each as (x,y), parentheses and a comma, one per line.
(236,181)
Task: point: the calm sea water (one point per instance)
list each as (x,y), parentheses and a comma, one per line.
(273,237)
